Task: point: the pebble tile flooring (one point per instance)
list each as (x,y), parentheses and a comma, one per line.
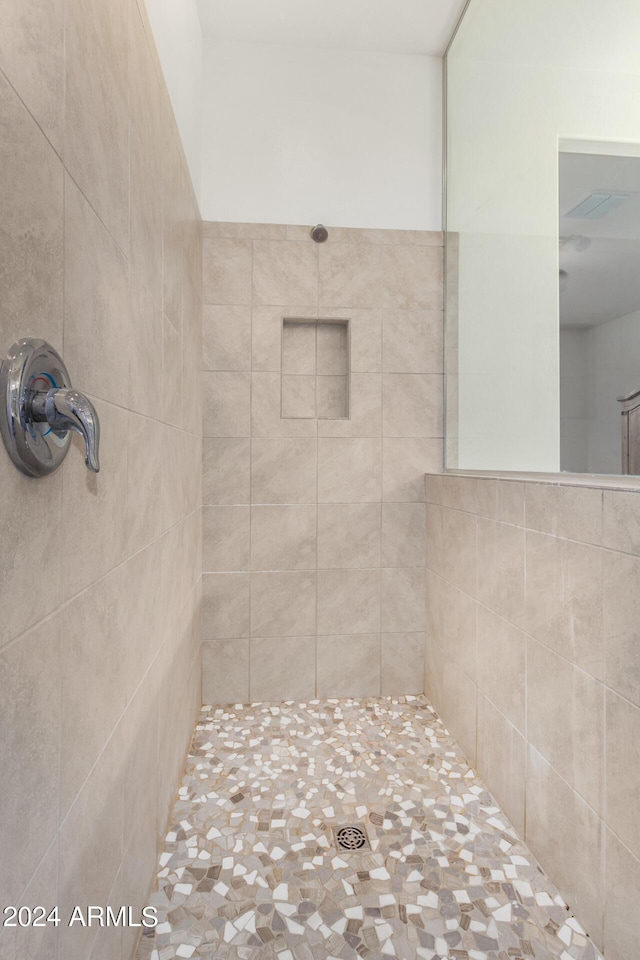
(250,869)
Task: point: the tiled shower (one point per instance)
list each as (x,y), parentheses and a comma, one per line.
(253,627)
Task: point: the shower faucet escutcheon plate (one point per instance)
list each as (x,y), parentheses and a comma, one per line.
(40,409)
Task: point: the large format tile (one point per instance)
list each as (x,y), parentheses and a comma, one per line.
(282,668)
(96,322)
(227,271)
(349,470)
(622,624)
(226,404)
(348,535)
(226,337)
(502,658)
(564,598)
(96,145)
(401,664)
(380,275)
(565,721)
(31,210)
(623,770)
(283,537)
(566,836)
(402,600)
(348,666)
(501,565)
(348,601)
(502,760)
(284,272)
(266,334)
(283,471)
(225,671)
(30,674)
(621,521)
(225,605)
(451,619)
(225,538)
(405,460)
(622,891)
(412,341)
(226,470)
(403,535)
(451,547)
(412,405)
(269,415)
(283,604)
(574,512)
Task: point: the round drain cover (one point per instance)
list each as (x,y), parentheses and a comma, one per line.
(351,838)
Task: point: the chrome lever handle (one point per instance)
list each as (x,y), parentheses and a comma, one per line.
(39,409)
(67,409)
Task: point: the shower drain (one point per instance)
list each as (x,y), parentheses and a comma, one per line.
(351,838)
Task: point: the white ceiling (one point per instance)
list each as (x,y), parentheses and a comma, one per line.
(604,278)
(390,26)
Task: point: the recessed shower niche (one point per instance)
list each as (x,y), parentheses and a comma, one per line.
(315,369)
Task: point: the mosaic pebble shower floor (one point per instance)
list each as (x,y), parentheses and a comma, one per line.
(250,869)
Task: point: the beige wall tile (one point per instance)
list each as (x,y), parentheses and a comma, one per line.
(94,506)
(226,338)
(566,836)
(30,754)
(364,402)
(299,347)
(225,608)
(283,537)
(564,599)
(348,601)
(460,708)
(227,404)
(402,664)
(146,133)
(434,673)
(380,275)
(267,333)
(623,770)
(282,668)
(96,143)
(146,349)
(451,546)
(244,231)
(349,470)
(502,654)
(145,481)
(457,493)
(501,553)
(502,760)
(225,671)
(284,272)
(267,413)
(404,464)
(227,271)
(412,341)
(500,500)
(94,682)
(366,340)
(175,185)
(622,891)
(403,535)
(565,721)
(574,512)
(92,833)
(348,666)
(299,396)
(283,471)
(226,470)
(283,604)
(621,521)
(332,349)
(621,624)
(32,56)
(177,408)
(31,207)
(452,619)
(332,401)
(96,303)
(33,943)
(225,538)
(412,405)
(402,592)
(348,535)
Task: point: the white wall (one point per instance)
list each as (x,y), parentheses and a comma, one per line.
(521,76)
(302,135)
(178,38)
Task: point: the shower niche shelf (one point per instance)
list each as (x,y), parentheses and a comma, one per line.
(315,369)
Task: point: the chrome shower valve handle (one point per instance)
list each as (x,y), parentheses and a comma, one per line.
(40,409)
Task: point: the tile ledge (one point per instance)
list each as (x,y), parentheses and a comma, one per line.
(593,480)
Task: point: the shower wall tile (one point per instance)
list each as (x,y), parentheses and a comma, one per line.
(622,892)
(282,668)
(32,211)
(96,143)
(102,255)
(225,538)
(349,666)
(316,486)
(557,670)
(225,671)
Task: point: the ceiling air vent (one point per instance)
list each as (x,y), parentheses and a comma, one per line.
(597,205)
